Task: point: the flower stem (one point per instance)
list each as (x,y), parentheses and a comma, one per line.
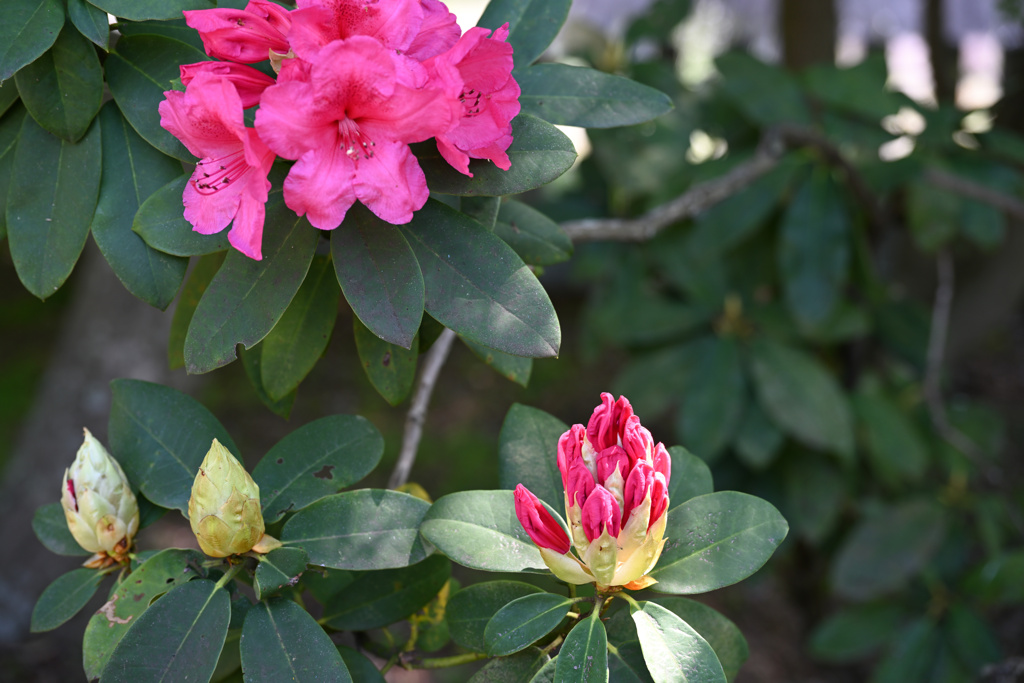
(445,662)
(232,570)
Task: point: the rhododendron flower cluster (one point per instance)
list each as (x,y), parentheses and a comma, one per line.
(357,82)
(616,500)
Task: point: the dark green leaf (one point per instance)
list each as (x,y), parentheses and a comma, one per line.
(10,131)
(179,638)
(28,30)
(50,202)
(140,10)
(477,286)
(757,439)
(532,24)
(300,338)
(578,96)
(523,621)
(983,224)
(583,657)
(933,216)
(713,397)
(365,529)
(716,540)
(138,72)
(316,460)
(859,89)
(539,153)
(513,368)
(376,599)
(471,608)
(996,581)
(658,21)
(90,21)
(802,397)
(972,638)
(912,656)
(815,495)
(160,436)
(8,96)
(528,453)
(390,368)
(132,171)
(674,652)
(626,663)
(282,642)
(766,94)
(247,298)
(177,29)
(359,667)
(546,673)
(154,577)
(690,477)
(479,529)
(856,632)
(896,451)
(252,363)
(379,275)
(518,668)
(161,222)
(64,598)
(537,239)
(885,551)
(279,568)
(720,633)
(198,280)
(51,528)
(654,381)
(484,210)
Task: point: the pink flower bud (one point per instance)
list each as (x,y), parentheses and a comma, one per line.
(638,486)
(580,483)
(601,513)
(249,82)
(246,35)
(663,461)
(538,522)
(659,498)
(636,439)
(611,459)
(570,449)
(606,424)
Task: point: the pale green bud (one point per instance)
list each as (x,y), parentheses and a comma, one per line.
(224,510)
(99,506)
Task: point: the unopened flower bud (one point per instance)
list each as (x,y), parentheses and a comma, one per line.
(99,506)
(224,510)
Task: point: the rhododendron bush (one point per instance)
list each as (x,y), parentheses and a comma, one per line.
(369,150)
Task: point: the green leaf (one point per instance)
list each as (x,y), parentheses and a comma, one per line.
(140,10)
(815,494)
(658,21)
(855,632)
(160,221)
(532,24)
(913,655)
(537,239)
(583,656)
(802,397)
(50,202)
(365,529)
(995,582)
(8,96)
(10,131)
(720,633)
(376,599)
(63,89)
(578,96)
(279,568)
(484,210)
(713,396)
(64,598)
(139,70)
(177,29)
(674,652)
(480,530)
(390,368)
(28,30)
(523,621)
(934,217)
(814,250)
(300,338)
(766,94)
(247,298)
(282,642)
(477,286)
(179,638)
(198,280)
(380,276)
(471,608)
(91,22)
(859,89)
(518,668)
(690,478)
(757,439)
(160,436)
(513,368)
(546,673)
(885,551)
(972,638)
(528,453)
(359,667)
(626,663)
(654,381)
(983,224)
(316,460)
(51,528)
(132,171)
(539,153)
(716,540)
(895,450)
(253,366)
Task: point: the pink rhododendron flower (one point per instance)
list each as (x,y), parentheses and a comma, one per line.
(316,23)
(438,32)
(249,82)
(616,500)
(230,181)
(347,120)
(242,35)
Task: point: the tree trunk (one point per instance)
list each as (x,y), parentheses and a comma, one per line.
(808,32)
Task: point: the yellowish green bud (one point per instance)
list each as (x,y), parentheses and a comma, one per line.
(224,510)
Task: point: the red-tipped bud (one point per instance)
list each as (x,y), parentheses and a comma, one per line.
(246,35)
(610,459)
(659,498)
(636,439)
(606,424)
(601,513)
(249,82)
(538,522)
(663,461)
(638,485)
(570,450)
(580,483)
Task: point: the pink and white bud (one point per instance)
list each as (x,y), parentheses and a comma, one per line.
(543,529)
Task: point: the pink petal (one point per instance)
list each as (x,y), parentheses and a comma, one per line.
(249,82)
(611,459)
(236,35)
(542,528)
(579,483)
(601,513)
(570,449)
(320,186)
(638,485)
(438,33)
(391,183)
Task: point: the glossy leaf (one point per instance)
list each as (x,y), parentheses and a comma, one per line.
(279,568)
(477,286)
(64,598)
(28,30)
(390,368)
(716,540)
(178,638)
(674,652)
(160,436)
(177,29)
(690,478)
(380,276)
(523,621)
(51,528)
(471,608)
(479,529)
(139,70)
(316,460)
(140,10)
(161,222)
(537,239)
(757,440)
(132,171)
(10,131)
(895,449)
(721,634)
(539,153)
(365,529)
(513,368)
(518,668)
(856,632)
(359,667)
(528,453)
(579,96)
(484,210)
(50,202)
(712,398)
(282,642)
(247,298)
(532,24)
(90,21)
(198,280)
(583,657)
(376,599)
(626,663)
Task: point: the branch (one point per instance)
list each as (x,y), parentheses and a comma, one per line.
(435,359)
(972,190)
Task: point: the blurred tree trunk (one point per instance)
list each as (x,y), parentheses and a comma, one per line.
(808,32)
(942,51)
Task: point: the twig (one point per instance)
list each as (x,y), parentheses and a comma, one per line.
(435,359)
(972,190)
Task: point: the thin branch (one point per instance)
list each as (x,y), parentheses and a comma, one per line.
(432,365)
(971,190)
